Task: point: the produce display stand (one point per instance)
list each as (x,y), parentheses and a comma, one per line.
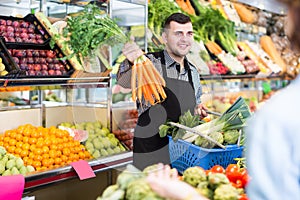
(41,184)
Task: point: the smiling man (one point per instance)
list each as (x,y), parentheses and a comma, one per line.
(183,89)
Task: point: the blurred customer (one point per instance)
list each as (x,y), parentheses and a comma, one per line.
(273,134)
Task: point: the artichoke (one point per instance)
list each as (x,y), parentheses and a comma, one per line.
(231,136)
(139,189)
(226,192)
(217,179)
(194,175)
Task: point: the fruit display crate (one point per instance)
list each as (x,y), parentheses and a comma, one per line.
(6,60)
(26,31)
(184,155)
(45,178)
(40,63)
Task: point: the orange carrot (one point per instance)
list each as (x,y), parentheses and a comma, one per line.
(155,74)
(139,69)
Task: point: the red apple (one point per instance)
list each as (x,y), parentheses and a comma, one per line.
(10,29)
(31,73)
(44,67)
(50,54)
(15,24)
(37,67)
(8,22)
(3,22)
(58,72)
(51,72)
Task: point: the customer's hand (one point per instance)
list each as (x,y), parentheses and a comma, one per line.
(201,110)
(131,50)
(165,183)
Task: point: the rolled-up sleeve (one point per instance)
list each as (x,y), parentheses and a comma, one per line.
(124,74)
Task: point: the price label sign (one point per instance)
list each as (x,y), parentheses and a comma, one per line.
(12,187)
(83,169)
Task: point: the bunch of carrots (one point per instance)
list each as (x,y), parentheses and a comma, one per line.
(146,82)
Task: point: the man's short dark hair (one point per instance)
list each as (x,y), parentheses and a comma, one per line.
(176,17)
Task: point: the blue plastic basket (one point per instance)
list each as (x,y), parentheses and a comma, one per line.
(184,155)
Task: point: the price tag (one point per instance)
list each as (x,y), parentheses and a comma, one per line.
(83,169)
(12,187)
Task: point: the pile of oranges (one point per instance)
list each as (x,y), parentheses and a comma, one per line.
(43,148)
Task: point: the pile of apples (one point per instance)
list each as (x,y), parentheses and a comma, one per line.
(20,31)
(38,62)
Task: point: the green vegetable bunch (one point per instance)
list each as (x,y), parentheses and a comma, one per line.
(211,25)
(187,119)
(88,31)
(158,11)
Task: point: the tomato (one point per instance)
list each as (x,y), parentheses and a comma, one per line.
(243,197)
(245,177)
(233,172)
(237,184)
(218,169)
(207,172)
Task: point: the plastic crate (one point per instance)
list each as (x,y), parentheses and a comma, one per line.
(184,155)
(35,26)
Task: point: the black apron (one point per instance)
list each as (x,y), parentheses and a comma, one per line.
(148,147)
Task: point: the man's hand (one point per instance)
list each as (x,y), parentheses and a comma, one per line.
(201,110)
(132,51)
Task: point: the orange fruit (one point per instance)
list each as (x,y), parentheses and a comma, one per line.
(11,149)
(32,147)
(18,150)
(53,147)
(57,161)
(81,155)
(36,164)
(29,161)
(58,153)
(64,158)
(52,153)
(12,142)
(24,153)
(32,140)
(66,151)
(45,149)
(39,143)
(38,157)
(25,139)
(38,151)
(26,146)
(19,144)
(45,156)
(19,137)
(6,139)
(46,163)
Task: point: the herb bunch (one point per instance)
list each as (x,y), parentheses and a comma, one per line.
(88,31)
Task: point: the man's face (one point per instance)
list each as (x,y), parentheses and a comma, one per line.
(179,38)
